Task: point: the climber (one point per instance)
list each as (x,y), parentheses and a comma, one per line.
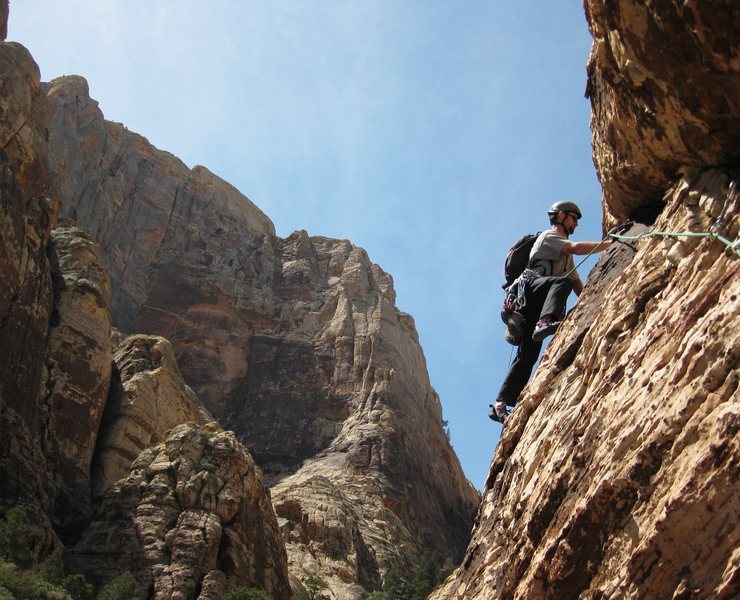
(547,281)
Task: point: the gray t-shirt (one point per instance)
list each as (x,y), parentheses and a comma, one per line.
(547,256)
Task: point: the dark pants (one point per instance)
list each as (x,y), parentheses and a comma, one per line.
(544,296)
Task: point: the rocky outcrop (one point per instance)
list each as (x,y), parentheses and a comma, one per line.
(148,398)
(663,83)
(28,212)
(165,230)
(70,407)
(295,344)
(617,475)
(76,373)
(191,520)
(3,19)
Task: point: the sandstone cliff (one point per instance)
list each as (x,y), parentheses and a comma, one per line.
(617,476)
(295,344)
(192,519)
(74,414)
(662,79)
(147,398)
(26,296)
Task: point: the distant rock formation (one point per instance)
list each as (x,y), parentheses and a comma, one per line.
(147,399)
(296,344)
(617,476)
(26,296)
(76,374)
(3,20)
(191,520)
(78,421)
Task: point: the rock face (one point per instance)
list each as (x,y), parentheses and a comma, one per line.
(663,83)
(3,19)
(191,520)
(617,476)
(28,212)
(148,398)
(76,373)
(74,415)
(296,344)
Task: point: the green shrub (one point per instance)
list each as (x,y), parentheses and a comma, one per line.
(51,568)
(242,593)
(16,537)
(28,585)
(396,587)
(311,590)
(123,587)
(423,581)
(77,587)
(47,579)
(5,594)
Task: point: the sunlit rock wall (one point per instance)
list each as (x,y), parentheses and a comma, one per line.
(663,84)
(295,344)
(617,476)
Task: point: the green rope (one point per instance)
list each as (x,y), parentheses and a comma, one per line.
(734,246)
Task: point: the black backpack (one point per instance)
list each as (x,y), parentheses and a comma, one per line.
(517,258)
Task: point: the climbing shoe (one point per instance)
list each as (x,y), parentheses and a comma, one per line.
(543,329)
(498,414)
(514,327)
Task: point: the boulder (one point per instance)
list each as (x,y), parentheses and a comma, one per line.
(148,398)
(192,519)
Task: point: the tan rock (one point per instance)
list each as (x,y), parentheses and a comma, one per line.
(148,398)
(662,79)
(294,344)
(194,514)
(77,373)
(213,586)
(617,475)
(443,590)
(325,535)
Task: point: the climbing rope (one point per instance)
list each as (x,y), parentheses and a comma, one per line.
(585,258)
(712,233)
(734,246)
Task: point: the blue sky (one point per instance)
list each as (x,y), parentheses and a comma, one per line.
(431,133)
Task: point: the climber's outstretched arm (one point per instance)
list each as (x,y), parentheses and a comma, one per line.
(581,248)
